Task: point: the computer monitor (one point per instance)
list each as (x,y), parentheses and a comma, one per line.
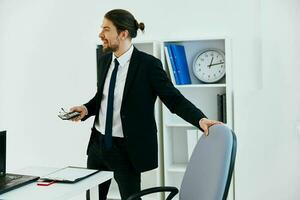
(2,152)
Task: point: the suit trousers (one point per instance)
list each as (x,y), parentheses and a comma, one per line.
(117,160)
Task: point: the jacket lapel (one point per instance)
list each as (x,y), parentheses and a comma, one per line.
(133,66)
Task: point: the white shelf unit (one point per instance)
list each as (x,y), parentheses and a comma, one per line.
(154,177)
(177,143)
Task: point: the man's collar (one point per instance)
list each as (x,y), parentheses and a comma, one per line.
(123,59)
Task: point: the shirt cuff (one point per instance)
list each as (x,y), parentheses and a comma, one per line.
(86,109)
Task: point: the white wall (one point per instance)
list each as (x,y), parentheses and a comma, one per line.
(47,60)
(267,119)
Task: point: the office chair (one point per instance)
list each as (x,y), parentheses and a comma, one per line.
(209,171)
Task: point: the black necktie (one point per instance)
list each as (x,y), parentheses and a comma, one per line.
(110,107)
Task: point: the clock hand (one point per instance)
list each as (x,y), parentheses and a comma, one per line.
(212,58)
(216,64)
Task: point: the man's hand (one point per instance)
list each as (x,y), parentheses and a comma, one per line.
(206,123)
(81,109)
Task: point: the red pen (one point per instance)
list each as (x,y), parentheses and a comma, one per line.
(45,183)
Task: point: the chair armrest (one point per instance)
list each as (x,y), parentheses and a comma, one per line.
(173,191)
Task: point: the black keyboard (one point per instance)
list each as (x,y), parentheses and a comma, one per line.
(13,181)
(8,178)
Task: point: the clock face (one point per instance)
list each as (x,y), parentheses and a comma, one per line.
(209,65)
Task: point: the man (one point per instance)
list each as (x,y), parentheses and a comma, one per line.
(124,138)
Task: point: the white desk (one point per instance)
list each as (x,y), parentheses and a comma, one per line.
(57,191)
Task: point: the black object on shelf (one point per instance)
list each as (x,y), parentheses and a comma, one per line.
(221,103)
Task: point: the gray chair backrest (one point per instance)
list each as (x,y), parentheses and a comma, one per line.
(209,171)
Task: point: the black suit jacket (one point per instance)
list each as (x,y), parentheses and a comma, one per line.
(145,80)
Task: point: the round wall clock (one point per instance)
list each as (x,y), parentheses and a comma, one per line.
(209,65)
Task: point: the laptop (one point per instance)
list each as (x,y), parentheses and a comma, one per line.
(10,181)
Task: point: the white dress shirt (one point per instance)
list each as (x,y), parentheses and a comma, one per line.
(123,60)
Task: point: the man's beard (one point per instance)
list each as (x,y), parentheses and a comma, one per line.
(112,48)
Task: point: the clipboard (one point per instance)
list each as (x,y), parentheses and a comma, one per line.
(69,174)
